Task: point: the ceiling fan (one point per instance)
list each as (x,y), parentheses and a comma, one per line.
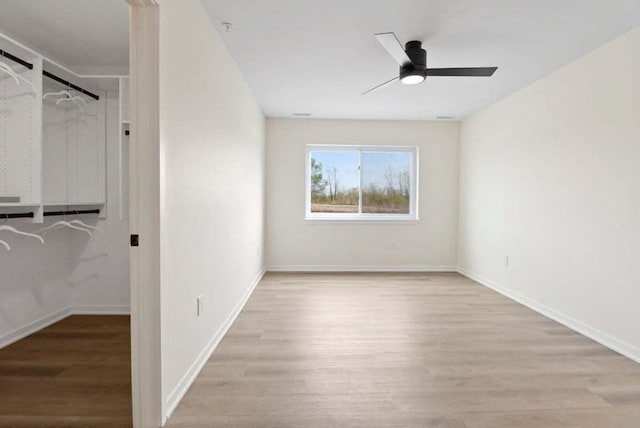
(413,63)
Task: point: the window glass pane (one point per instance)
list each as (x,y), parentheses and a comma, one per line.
(386,181)
(335,181)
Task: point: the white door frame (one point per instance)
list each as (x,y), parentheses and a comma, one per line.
(144,203)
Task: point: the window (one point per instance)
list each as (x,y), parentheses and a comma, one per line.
(361,183)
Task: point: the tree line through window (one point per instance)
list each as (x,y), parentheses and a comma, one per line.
(339,178)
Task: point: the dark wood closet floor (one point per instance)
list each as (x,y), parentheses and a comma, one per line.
(74,373)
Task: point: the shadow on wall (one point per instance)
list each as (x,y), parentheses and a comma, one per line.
(33,277)
(100,264)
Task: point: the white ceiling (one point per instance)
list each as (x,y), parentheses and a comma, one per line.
(88,36)
(318,56)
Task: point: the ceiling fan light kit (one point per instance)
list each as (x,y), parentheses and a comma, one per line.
(413,63)
(415,71)
(411,77)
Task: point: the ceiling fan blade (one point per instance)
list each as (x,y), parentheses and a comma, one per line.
(380,85)
(467,71)
(391,43)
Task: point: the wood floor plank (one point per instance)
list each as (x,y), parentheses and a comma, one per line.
(404,350)
(74,373)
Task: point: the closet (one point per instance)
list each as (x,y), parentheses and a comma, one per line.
(64,249)
(52,139)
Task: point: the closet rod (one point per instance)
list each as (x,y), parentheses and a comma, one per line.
(74,212)
(16,215)
(69,84)
(16,59)
(49,214)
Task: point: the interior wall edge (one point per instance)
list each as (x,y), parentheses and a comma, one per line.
(578,326)
(189,377)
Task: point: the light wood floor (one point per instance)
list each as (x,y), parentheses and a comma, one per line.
(405,350)
(75,373)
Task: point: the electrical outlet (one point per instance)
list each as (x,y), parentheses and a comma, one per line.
(200,305)
(506,261)
(258,250)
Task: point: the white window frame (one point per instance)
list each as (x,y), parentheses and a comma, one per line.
(366,217)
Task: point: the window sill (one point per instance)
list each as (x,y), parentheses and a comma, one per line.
(362,220)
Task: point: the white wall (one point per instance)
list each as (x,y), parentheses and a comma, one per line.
(34,287)
(296,244)
(100,275)
(550,176)
(212,174)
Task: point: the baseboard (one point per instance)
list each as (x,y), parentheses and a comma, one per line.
(101,310)
(609,341)
(37,325)
(183,386)
(360,268)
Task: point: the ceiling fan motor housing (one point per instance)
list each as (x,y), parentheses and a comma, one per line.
(418,57)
